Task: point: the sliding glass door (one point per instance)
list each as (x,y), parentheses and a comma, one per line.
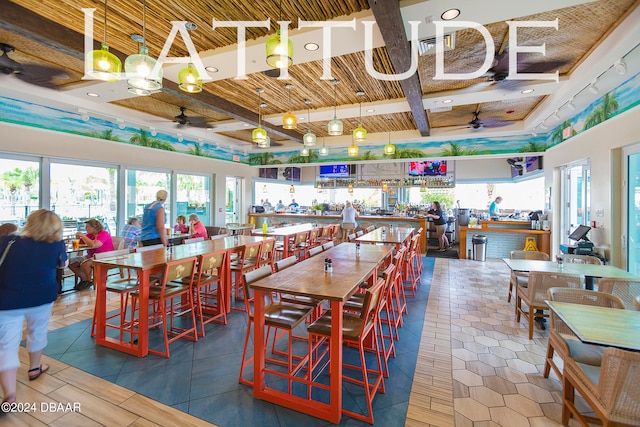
(576,200)
(632,239)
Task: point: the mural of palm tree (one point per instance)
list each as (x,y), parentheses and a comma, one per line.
(265,158)
(406,153)
(297,158)
(367,155)
(197,150)
(606,109)
(105,134)
(534,147)
(456,150)
(142,139)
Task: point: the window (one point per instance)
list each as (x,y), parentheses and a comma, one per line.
(193,196)
(19,190)
(141,189)
(575,198)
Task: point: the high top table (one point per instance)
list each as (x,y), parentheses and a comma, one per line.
(145,263)
(589,271)
(307,278)
(284,233)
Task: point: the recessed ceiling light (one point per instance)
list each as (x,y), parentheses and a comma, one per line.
(450,14)
(447,101)
(311,46)
(245,125)
(211,69)
(527,91)
(93,94)
(370,110)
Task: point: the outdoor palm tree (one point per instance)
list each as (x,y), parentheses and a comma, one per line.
(264,158)
(142,138)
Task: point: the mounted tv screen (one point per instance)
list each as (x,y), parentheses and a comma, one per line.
(269,173)
(534,163)
(291,174)
(428,168)
(334,171)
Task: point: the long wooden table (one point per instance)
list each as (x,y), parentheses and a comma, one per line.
(395,236)
(308,278)
(146,263)
(601,325)
(284,234)
(589,271)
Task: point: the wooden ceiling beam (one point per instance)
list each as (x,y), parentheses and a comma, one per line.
(18,20)
(389,20)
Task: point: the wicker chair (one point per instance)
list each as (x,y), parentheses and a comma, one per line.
(625,289)
(611,389)
(535,293)
(562,340)
(520,277)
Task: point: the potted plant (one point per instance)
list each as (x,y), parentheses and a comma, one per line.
(318,207)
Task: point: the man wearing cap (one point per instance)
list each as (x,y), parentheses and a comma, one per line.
(153,229)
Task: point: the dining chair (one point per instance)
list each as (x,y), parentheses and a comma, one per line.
(314,303)
(149,248)
(348,228)
(209,293)
(360,331)
(326,235)
(193,240)
(268,253)
(328,245)
(611,389)
(247,231)
(336,234)
(562,341)
(248,258)
(278,316)
(315,251)
(123,287)
(412,267)
(359,233)
(581,259)
(171,300)
(535,293)
(628,290)
(351,238)
(521,276)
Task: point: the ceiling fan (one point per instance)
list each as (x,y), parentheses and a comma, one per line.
(183,120)
(39,75)
(477,124)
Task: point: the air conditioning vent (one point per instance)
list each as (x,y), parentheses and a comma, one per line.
(428,46)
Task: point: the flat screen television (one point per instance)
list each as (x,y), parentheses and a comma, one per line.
(269,173)
(428,168)
(533,163)
(291,174)
(334,171)
(580,233)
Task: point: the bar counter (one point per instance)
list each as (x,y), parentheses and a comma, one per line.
(503,237)
(363,221)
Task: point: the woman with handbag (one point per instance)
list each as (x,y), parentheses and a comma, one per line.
(28,293)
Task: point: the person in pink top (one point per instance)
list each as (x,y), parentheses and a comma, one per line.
(97,240)
(196,227)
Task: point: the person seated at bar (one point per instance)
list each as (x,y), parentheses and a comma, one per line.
(8,228)
(97,240)
(280,206)
(293,204)
(181,224)
(197,228)
(131,232)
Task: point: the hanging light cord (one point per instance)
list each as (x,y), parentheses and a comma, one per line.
(259,109)
(335,102)
(309,116)
(144,23)
(105,20)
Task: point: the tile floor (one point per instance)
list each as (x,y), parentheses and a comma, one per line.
(476,366)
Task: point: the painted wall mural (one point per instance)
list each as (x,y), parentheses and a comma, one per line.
(624,97)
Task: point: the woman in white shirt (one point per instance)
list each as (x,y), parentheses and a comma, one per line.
(349,215)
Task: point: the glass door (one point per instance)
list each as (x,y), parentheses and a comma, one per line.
(233,199)
(632,229)
(575,198)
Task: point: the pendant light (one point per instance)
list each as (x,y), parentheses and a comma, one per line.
(292,189)
(334,127)
(350,189)
(140,67)
(360,133)
(324,151)
(304,152)
(423,187)
(189,79)
(353,149)
(259,135)
(309,138)
(104,64)
(385,187)
(266,143)
(389,149)
(289,120)
(279,55)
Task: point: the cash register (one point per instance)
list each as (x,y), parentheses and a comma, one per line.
(583,245)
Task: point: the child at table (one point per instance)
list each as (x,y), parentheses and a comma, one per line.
(181,225)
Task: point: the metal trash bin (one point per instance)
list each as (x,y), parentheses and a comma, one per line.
(479,243)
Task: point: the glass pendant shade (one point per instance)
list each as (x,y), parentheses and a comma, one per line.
(385,187)
(359,134)
(324,151)
(259,136)
(353,150)
(289,121)
(138,92)
(189,79)
(334,127)
(423,187)
(309,138)
(292,189)
(304,152)
(140,68)
(279,55)
(266,143)
(389,149)
(350,189)
(104,64)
